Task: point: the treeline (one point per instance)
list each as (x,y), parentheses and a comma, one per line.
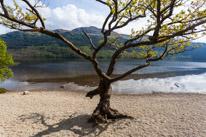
(18,40)
(55,52)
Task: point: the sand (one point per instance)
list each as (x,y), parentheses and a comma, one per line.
(65,114)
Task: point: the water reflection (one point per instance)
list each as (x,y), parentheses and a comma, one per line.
(29,70)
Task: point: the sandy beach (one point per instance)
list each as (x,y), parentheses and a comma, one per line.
(65,114)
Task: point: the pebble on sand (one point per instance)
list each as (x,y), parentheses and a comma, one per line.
(26,92)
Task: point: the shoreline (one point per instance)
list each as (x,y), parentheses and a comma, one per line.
(65,113)
(113,93)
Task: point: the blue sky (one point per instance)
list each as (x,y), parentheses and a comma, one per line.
(70,14)
(88,5)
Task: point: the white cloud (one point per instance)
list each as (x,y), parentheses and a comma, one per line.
(201,39)
(65,17)
(70,17)
(178,84)
(136,25)
(4,30)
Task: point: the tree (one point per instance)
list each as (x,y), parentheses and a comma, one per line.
(171,24)
(5,61)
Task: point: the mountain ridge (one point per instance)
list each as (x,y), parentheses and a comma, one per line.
(33,42)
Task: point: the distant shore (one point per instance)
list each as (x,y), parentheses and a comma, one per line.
(65,113)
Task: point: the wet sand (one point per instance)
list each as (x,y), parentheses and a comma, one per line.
(65,113)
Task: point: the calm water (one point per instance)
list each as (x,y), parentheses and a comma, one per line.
(66,69)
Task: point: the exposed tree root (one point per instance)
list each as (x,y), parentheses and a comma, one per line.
(107,116)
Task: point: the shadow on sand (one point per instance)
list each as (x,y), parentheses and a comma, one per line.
(76,124)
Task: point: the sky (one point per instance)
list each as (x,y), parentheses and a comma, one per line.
(70,14)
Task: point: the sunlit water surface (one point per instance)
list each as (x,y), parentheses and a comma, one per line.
(187,76)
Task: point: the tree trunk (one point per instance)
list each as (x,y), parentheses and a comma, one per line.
(103,112)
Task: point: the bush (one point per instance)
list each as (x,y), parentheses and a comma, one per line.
(5,62)
(2,90)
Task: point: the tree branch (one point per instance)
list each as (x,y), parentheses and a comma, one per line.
(4,8)
(90,40)
(77,50)
(102,2)
(105,22)
(158,27)
(130,45)
(130,72)
(92,93)
(161,56)
(17,21)
(36,12)
(125,6)
(179,33)
(171,10)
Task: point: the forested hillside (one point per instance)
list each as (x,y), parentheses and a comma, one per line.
(38,45)
(17,39)
(29,44)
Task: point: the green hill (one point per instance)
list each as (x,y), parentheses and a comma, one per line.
(18,40)
(30,44)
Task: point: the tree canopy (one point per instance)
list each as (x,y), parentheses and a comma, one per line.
(5,62)
(170,26)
